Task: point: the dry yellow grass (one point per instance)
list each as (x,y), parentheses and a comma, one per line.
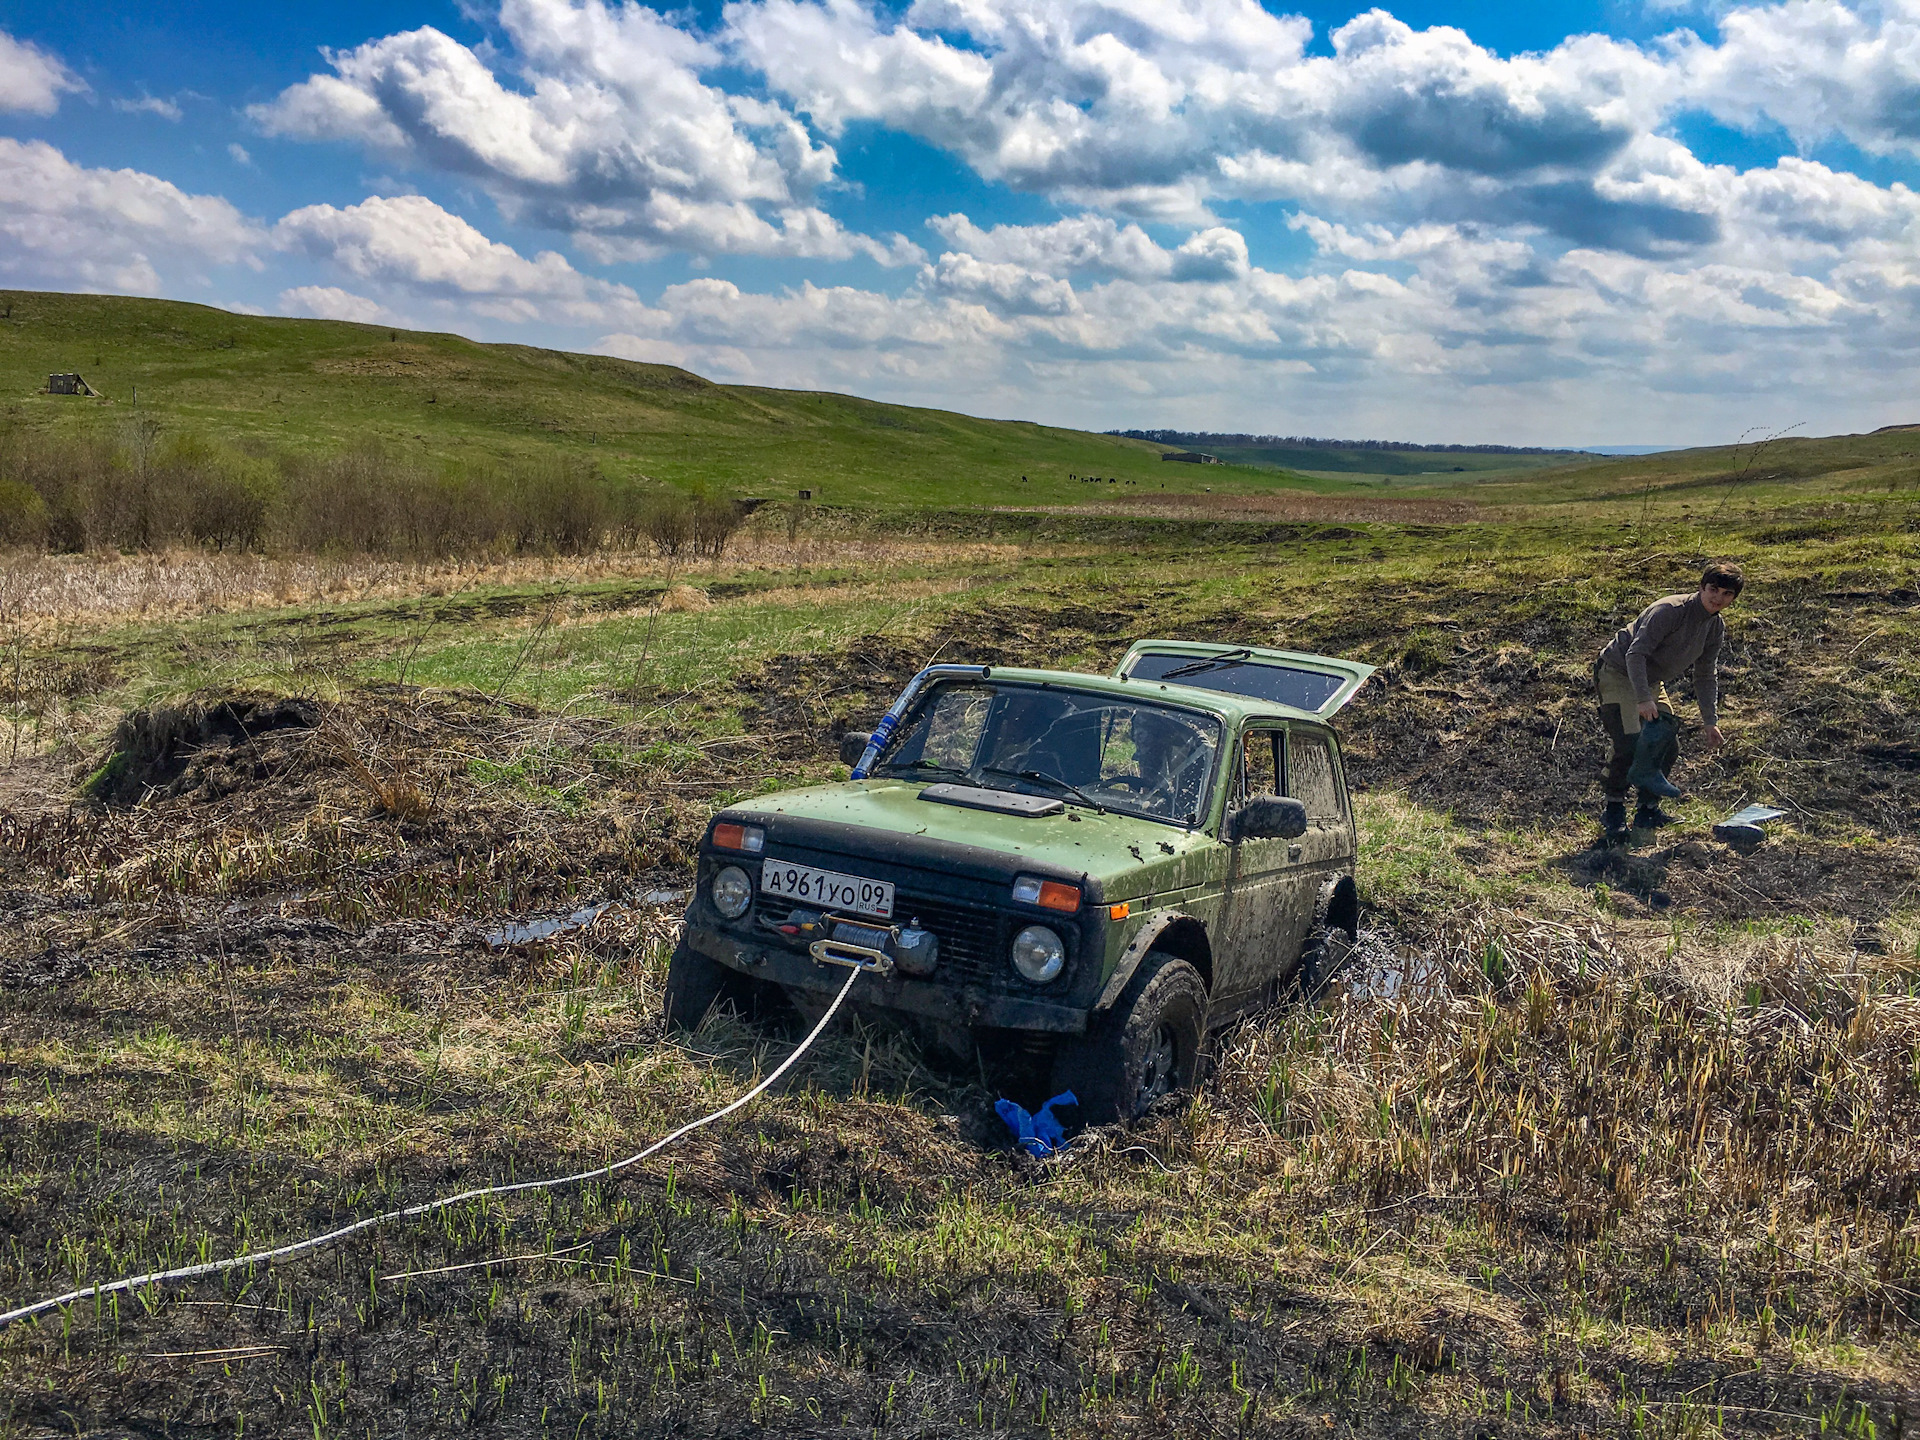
(40,591)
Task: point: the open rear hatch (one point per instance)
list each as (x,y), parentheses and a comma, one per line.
(1317,684)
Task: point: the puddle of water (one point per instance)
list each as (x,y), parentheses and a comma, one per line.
(1380,972)
(527,931)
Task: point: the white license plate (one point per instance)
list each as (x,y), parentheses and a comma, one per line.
(828,889)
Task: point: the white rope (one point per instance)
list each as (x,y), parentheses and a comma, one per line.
(268,1257)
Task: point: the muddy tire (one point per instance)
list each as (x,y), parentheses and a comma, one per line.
(695,984)
(1327,951)
(1146,1046)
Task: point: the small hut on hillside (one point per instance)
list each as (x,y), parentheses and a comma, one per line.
(69,385)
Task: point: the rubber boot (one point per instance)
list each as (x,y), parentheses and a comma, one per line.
(1648,815)
(1613,822)
(1658,745)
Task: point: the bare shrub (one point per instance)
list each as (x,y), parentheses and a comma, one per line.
(23,515)
(668,521)
(715,522)
(225,512)
(559,506)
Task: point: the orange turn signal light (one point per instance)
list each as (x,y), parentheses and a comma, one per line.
(729,836)
(1055,896)
(1120,911)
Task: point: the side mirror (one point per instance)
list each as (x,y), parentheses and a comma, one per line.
(1268,817)
(853,745)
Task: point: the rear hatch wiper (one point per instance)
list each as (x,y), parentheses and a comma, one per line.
(1211,662)
(1041,777)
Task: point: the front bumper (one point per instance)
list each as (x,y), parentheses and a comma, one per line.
(931,998)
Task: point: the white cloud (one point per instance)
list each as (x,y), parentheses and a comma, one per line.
(1817,68)
(63,224)
(1810,300)
(1158,110)
(149,105)
(409,245)
(330,302)
(31,80)
(1005,289)
(1162,110)
(612,134)
(1095,244)
(239,154)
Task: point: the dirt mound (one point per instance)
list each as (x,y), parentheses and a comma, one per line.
(198,751)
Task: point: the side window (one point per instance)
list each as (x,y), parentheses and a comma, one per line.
(1259,763)
(1311,773)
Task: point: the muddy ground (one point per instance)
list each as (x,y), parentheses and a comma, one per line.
(381,807)
(313,847)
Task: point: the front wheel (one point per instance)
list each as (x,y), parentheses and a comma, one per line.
(1147,1046)
(695,984)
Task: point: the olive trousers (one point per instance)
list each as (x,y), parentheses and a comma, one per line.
(1622,725)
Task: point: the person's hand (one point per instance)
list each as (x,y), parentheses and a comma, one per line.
(1713,737)
(1650,711)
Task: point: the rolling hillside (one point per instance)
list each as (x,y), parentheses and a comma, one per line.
(272,381)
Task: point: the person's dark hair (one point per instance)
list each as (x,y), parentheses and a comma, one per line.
(1724,575)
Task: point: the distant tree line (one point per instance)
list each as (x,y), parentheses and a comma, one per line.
(145,487)
(1196,439)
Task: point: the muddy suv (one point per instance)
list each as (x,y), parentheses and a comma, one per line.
(1090,870)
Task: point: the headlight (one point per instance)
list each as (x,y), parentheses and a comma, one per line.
(1039,954)
(732,892)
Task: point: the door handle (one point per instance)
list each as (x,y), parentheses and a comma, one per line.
(1293,852)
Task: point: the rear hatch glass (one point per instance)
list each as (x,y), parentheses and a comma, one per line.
(1317,684)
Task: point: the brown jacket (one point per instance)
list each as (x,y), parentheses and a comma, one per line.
(1671,635)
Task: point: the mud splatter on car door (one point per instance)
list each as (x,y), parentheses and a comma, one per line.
(1313,777)
(1268,900)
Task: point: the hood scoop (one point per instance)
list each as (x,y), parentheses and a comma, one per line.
(1004,802)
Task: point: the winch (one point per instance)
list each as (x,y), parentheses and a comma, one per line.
(862,944)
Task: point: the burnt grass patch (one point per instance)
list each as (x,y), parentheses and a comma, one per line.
(1579,1186)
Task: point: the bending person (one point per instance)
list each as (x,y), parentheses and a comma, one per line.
(1673,635)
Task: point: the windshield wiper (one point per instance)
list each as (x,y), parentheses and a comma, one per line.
(924,765)
(1194,667)
(1045,779)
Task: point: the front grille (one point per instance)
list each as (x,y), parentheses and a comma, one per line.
(972,947)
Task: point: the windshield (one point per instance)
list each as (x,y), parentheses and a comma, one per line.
(1148,760)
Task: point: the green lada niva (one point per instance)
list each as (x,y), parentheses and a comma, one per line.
(1092,870)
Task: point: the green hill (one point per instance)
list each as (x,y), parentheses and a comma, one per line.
(1332,460)
(324,383)
(1760,473)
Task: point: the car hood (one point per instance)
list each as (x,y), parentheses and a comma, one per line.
(1129,857)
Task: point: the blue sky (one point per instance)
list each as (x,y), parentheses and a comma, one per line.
(1583,223)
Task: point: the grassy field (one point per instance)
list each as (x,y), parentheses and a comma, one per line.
(1336,462)
(1590,1142)
(1711,485)
(262,381)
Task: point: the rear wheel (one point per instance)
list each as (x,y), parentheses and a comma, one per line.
(1147,1046)
(1327,951)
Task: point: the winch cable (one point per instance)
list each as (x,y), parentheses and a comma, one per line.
(298,1247)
